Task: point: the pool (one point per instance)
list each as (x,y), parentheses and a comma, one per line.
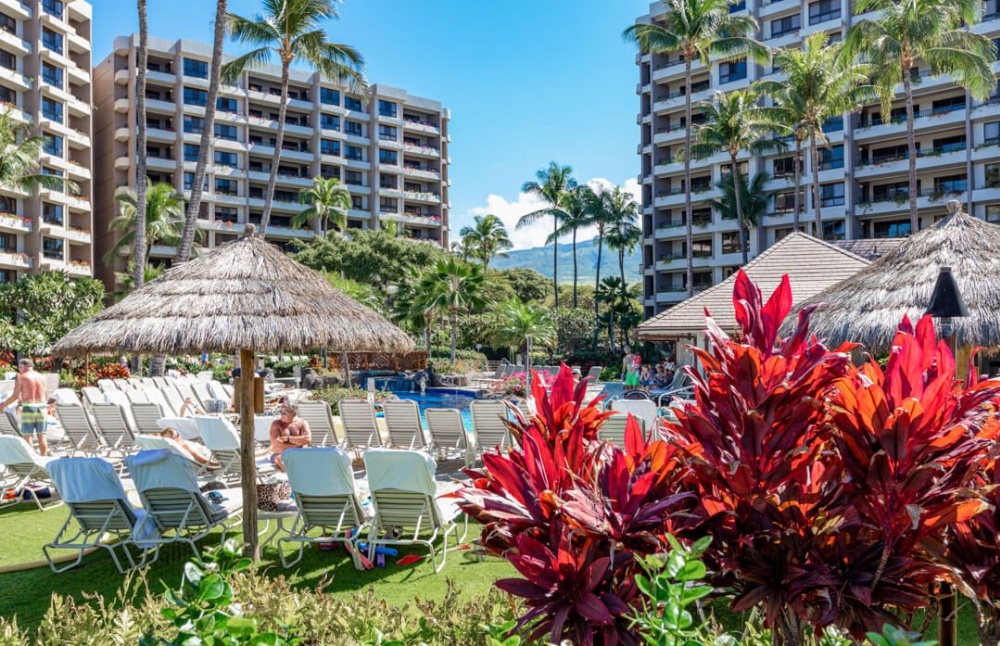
(442,398)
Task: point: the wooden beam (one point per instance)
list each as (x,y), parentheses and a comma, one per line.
(248,468)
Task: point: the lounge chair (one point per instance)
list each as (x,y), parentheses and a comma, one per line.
(325,494)
(317,414)
(154,396)
(489,421)
(98,507)
(66,396)
(122,384)
(146,417)
(93,395)
(79,431)
(613,429)
(136,396)
(448,434)
(168,487)
(160,382)
(644,410)
(21,466)
(174,401)
(123,401)
(402,419)
(111,424)
(405,498)
(360,430)
(222,439)
(595,373)
(106,384)
(9,424)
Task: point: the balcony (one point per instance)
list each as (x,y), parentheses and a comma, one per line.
(423,196)
(421,172)
(883,129)
(418,125)
(79,268)
(22,46)
(14,223)
(15,77)
(15,260)
(421,150)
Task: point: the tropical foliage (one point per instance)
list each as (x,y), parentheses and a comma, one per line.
(164,219)
(328,203)
(38,310)
(20,148)
(552,186)
(485,240)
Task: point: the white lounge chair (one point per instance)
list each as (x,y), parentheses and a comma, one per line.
(106,384)
(327,499)
(405,498)
(110,422)
(402,419)
(595,373)
(643,409)
(146,417)
(79,431)
(21,466)
(9,424)
(448,434)
(122,384)
(98,507)
(123,401)
(613,429)
(489,421)
(93,395)
(136,396)
(66,396)
(168,487)
(358,418)
(317,414)
(222,439)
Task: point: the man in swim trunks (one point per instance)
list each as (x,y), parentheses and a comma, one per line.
(287,432)
(29,389)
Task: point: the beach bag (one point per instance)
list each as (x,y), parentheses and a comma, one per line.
(271,493)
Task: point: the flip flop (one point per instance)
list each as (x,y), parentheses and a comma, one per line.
(410,559)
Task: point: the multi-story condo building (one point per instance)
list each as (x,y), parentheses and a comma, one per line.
(45,80)
(389,147)
(862,172)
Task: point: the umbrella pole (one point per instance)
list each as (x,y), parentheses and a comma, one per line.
(248,467)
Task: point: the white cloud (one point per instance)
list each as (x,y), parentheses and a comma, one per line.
(534,236)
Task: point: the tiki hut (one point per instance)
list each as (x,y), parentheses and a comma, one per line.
(243,297)
(867,307)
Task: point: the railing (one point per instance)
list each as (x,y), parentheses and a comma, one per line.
(916,115)
(675,63)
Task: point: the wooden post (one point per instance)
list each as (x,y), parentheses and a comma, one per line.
(248,468)
(948,608)
(347,369)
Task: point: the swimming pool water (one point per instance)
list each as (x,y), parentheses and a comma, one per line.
(446,399)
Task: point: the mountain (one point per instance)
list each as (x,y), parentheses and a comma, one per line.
(540,259)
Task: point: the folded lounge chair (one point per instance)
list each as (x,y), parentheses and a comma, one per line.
(402,419)
(22,466)
(448,434)
(327,499)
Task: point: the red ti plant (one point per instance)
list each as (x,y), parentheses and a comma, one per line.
(570,512)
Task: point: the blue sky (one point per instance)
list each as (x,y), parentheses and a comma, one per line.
(527,81)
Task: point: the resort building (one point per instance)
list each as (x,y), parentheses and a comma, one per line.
(45,80)
(389,147)
(862,173)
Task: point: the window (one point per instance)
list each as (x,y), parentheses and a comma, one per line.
(225,131)
(896,192)
(727,170)
(358,202)
(833,124)
(226,214)
(8,243)
(52,40)
(53,7)
(8,24)
(353,178)
(52,248)
(389,157)
(731,242)
(993,213)
(191,152)
(892,229)
(329,96)
(388,204)
(948,105)
(7,95)
(387,109)
(388,181)
(784,167)
(832,157)
(950,184)
(223,158)
(194,96)
(52,75)
(329,147)
(225,104)
(8,60)
(52,110)
(991,132)
(889,154)
(329,171)
(353,128)
(831,195)
(992,173)
(329,122)
(388,133)
(352,103)
(54,145)
(949,144)
(52,214)
(732,71)
(353,153)
(189,182)
(833,230)
(785,202)
(197,69)
(193,125)
(225,186)
(824,10)
(785,25)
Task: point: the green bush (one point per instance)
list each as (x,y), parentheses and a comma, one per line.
(333,396)
(444,351)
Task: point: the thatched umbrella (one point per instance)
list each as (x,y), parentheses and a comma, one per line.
(868,307)
(243,297)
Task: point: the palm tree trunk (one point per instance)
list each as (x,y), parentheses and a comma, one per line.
(689,224)
(574,269)
(814,166)
(272,178)
(207,136)
(911,147)
(597,287)
(798,183)
(737,189)
(611,327)
(454,333)
(555,259)
(140,163)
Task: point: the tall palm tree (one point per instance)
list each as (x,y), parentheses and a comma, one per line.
(486,239)
(699,30)
(921,30)
(521,325)
(329,201)
(822,83)
(140,143)
(207,135)
(753,200)
(607,209)
(551,185)
(614,293)
(576,208)
(734,122)
(293,32)
(19,152)
(163,224)
(623,237)
(451,287)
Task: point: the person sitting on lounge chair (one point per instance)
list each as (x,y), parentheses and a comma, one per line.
(195,451)
(288,432)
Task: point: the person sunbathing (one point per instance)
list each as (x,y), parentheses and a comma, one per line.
(195,451)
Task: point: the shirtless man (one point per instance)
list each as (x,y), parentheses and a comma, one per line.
(29,390)
(287,432)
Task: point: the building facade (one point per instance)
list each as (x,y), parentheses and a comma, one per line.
(862,172)
(45,79)
(390,148)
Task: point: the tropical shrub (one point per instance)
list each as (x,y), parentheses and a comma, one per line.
(334,396)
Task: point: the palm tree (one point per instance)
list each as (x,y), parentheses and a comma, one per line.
(451,287)
(551,185)
(735,122)
(485,239)
(523,325)
(207,135)
(921,30)
(329,201)
(127,278)
(576,208)
(164,221)
(822,83)
(698,30)
(19,152)
(607,209)
(292,31)
(753,200)
(140,143)
(623,237)
(459,250)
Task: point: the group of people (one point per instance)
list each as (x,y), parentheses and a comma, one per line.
(644,376)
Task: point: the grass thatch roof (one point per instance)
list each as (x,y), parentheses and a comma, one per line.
(242,295)
(868,307)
